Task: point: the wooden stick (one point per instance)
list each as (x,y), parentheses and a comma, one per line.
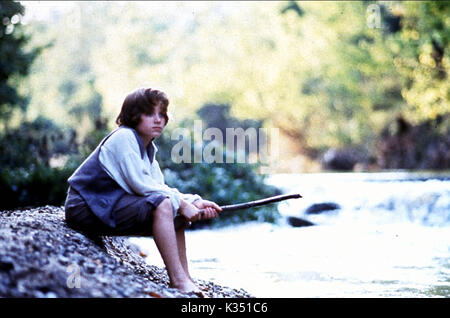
(246,205)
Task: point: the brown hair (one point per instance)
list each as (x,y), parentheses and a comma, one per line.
(141,101)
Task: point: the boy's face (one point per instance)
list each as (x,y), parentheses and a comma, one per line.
(151,125)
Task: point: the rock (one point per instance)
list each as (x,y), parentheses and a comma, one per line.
(322,207)
(41,257)
(6,264)
(298,222)
(339,159)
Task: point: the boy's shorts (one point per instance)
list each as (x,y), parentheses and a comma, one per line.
(133,214)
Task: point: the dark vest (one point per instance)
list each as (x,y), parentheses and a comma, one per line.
(97,188)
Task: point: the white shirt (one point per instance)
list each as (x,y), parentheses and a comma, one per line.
(126,160)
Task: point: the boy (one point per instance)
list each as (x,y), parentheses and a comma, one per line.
(119,189)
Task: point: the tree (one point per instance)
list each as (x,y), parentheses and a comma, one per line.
(422,57)
(14,60)
(318,71)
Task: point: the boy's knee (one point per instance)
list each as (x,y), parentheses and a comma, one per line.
(164,208)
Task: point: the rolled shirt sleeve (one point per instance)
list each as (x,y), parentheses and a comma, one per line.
(191,198)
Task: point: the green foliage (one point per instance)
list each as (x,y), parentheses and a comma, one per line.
(422,58)
(38,185)
(223,183)
(34,171)
(37,158)
(35,143)
(15,61)
(291,65)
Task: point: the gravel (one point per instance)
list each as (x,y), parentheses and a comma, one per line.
(41,257)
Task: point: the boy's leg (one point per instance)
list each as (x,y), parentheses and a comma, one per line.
(166,241)
(181,243)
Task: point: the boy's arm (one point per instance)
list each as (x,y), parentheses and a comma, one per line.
(121,160)
(200,210)
(191,198)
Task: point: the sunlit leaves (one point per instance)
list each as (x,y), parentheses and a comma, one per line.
(317,70)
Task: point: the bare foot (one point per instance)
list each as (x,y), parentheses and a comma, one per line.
(187,286)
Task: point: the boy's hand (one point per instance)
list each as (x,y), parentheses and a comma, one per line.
(189,211)
(210,209)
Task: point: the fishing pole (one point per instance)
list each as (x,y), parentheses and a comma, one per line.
(250,204)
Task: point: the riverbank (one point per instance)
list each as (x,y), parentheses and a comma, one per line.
(41,257)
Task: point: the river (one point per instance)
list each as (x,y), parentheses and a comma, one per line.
(390,238)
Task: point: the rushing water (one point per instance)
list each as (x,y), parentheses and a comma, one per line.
(390,238)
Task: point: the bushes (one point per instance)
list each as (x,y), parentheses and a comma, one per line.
(36,186)
(223,183)
(37,158)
